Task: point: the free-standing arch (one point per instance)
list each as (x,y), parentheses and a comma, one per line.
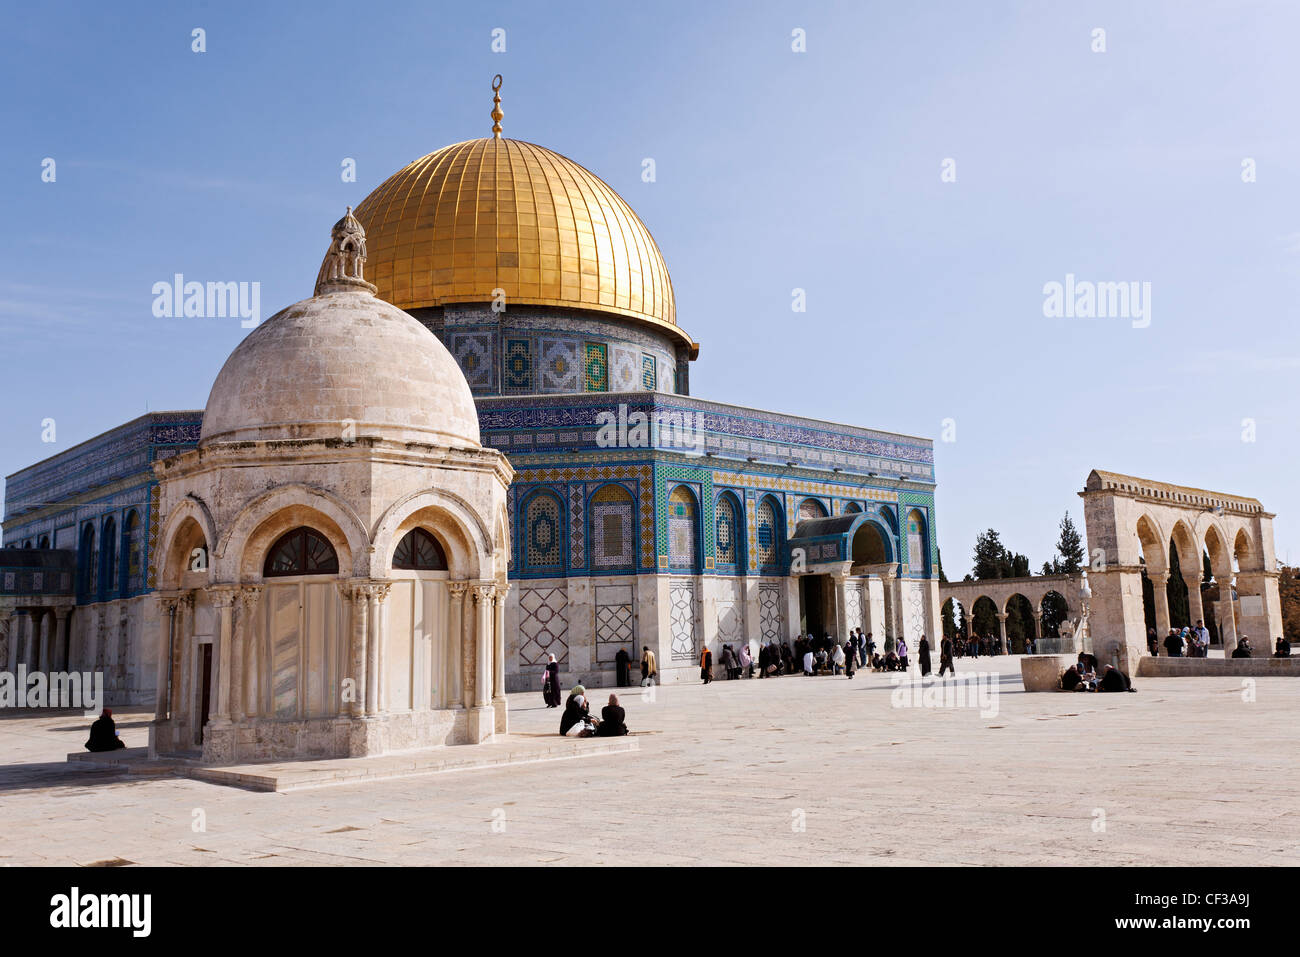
(1136,524)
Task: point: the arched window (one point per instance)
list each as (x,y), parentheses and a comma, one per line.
(304,551)
(852,508)
(611,528)
(88,564)
(133,546)
(769,533)
(728,531)
(683,540)
(109,547)
(420,551)
(811,508)
(44,542)
(543,544)
(917,551)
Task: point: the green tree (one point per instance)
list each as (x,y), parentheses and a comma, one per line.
(1070,547)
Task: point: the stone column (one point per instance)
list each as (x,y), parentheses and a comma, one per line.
(840,583)
(1002,630)
(62,637)
(453,682)
(1195,608)
(1158,583)
(183,661)
(354,595)
(22,629)
(223,600)
(166,642)
(45,641)
(467,647)
(483,594)
(499,706)
(1038,623)
(248,598)
(376,592)
(1227,617)
(498,644)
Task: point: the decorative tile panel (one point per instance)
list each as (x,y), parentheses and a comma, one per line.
(681,620)
(595,367)
(543,625)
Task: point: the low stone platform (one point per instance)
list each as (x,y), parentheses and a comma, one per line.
(1149,667)
(297,775)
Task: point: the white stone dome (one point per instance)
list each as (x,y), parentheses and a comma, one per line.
(343,356)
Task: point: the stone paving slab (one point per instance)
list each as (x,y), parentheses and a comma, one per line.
(1188,771)
(505,749)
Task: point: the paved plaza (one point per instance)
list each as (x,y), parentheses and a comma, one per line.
(786,771)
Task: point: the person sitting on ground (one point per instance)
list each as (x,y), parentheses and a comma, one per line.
(576,711)
(1281,648)
(1112,679)
(1070,679)
(103,734)
(877,663)
(612,720)
(892,662)
(1243,648)
(1087,664)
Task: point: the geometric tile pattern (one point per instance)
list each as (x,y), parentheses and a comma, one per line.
(543,625)
(769,612)
(611,529)
(681,615)
(473,352)
(853,607)
(596,367)
(542,531)
(811,508)
(682,539)
(577,537)
(517,374)
(624,366)
(561,371)
(614,622)
(768,529)
(648,373)
(727,526)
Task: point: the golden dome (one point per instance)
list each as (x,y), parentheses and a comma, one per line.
(496,213)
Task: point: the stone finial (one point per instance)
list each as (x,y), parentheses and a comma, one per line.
(497,115)
(342,269)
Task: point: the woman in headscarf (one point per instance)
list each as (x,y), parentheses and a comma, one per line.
(923,655)
(575,709)
(901,647)
(706,665)
(551,683)
(613,719)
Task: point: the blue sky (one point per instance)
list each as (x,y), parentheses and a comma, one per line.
(776,170)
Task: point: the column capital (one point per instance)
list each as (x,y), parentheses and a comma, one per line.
(249,596)
(483,591)
(1158,578)
(457,589)
(1002,616)
(223,596)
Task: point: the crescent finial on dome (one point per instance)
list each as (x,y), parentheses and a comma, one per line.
(342,269)
(497,115)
